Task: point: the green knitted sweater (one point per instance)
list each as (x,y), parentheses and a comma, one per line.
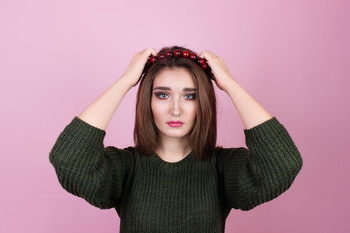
(151,195)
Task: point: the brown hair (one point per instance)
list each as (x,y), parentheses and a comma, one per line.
(203,134)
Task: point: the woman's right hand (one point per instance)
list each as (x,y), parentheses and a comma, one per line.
(137,64)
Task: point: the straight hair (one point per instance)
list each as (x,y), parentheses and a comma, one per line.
(203,134)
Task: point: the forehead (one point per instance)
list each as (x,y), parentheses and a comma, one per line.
(177,77)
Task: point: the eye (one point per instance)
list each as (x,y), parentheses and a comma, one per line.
(161,95)
(190,96)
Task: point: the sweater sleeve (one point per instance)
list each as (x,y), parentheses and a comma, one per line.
(88,170)
(263,171)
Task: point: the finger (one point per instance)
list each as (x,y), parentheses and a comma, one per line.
(151,51)
(203,54)
(207,57)
(207,53)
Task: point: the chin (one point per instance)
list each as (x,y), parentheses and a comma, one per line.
(176,135)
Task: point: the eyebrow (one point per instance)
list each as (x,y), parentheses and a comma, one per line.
(190,89)
(168,89)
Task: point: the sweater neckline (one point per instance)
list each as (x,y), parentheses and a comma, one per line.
(156,159)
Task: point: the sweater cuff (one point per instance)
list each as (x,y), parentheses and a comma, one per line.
(80,129)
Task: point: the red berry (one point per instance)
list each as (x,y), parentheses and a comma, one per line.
(168,53)
(161,55)
(154,59)
(205,66)
(185,53)
(201,61)
(193,56)
(177,53)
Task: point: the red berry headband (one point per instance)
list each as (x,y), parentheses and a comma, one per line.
(179,53)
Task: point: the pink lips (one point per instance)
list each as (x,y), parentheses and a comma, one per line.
(175,123)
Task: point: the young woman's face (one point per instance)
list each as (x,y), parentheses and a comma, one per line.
(173,103)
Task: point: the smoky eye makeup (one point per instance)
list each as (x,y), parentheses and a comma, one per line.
(160,95)
(190,96)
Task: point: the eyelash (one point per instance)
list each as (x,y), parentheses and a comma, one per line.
(192,96)
(159,94)
(162,95)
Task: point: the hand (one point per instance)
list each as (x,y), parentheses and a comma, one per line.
(222,75)
(137,64)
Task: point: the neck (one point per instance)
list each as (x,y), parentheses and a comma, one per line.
(173,149)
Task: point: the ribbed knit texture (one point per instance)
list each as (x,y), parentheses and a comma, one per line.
(151,195)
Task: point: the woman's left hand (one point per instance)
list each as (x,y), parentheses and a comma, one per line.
(222,75)
(250,111)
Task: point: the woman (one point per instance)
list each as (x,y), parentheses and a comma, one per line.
(175,179)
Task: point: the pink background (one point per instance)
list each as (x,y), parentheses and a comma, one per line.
(56,57)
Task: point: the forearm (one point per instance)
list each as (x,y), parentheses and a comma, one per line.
(100,112)
(250,111)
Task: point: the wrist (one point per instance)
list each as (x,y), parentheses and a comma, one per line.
(230,83)
(126,82)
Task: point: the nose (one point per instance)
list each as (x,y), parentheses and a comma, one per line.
(175,107)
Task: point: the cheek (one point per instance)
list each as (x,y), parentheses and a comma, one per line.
(192,111)
(157,110)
